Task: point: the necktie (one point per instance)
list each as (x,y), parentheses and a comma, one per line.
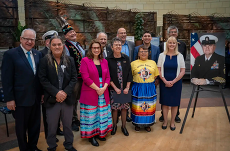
(104,54)
(30,60)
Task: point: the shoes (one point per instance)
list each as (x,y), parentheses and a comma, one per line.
(137,128)
(101,139)
(173,128)
(77,122)
(114,130)
(163,127)
(53,149)
(124,130)
(161,119)
(148,129)
(71,149)
(59,132)
(93,141)
(57,140)
(128,119)
(75,127)
(177,119)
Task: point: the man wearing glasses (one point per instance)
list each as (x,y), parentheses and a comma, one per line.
(127,46)
(173,31)
(22,89)
(209,65)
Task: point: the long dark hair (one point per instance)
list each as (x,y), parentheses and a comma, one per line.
(50,57)
(90,53)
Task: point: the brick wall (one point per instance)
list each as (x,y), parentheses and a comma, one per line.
(203,7)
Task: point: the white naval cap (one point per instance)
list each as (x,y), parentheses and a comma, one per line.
(208,39)
(49,34)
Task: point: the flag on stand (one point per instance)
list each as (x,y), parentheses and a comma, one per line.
(196,49)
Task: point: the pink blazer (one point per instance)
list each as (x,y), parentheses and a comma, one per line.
(89,74)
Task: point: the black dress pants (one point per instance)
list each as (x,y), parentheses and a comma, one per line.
(27,119)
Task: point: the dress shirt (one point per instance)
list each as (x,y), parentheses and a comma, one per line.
(125,48)
(32,58)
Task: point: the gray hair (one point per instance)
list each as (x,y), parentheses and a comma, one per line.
(50,55)
(115,39)
(23,32)
(172,27)
(101,33)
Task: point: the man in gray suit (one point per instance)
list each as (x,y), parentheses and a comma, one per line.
(128,49)
(127,46)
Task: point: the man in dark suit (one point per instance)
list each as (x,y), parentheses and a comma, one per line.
(46,37)
(173,31)
(22,89)
(153,50)
(210,65)
(102,38)
(128,49)
(127,46)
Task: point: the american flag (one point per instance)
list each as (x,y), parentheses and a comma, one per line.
(196,49)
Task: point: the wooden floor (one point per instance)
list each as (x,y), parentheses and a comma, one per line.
(209,130)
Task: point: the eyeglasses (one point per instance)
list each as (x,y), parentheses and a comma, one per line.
(94,48)
(173,32)
(28,39)
(117,45)
(143,51)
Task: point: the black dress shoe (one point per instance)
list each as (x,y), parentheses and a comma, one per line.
(75,127)
(53,149)
(113,132)
(124,130)
(177,119)
(128,119)
(161,119)
(101,139)
(164,127)
(57,140)
(172,128)
(93,141)
(59,132)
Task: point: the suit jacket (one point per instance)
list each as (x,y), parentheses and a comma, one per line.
(108,50)
(89,74)
(131,46)
(155,51)
(181,48)
(18,79)
(208,69)
(44,51)
(49,80)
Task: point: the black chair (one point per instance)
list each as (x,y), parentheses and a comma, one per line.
(4,110)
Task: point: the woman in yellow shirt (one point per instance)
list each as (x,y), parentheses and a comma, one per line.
(144,95)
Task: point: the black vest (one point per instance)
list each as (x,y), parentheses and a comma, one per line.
(75,53)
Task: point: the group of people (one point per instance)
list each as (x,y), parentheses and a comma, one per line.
(108,81)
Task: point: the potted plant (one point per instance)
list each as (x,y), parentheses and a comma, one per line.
(17,33)
(138,28)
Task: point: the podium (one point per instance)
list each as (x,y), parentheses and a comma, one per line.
(197,89)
